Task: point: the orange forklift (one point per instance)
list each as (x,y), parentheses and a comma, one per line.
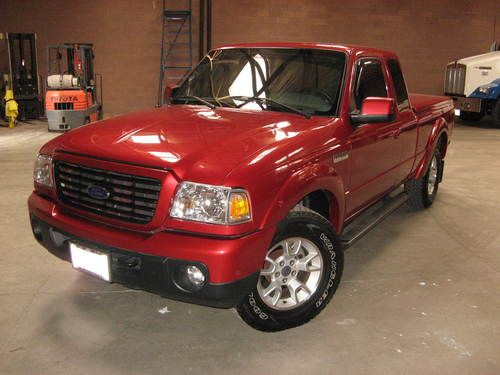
(72,97)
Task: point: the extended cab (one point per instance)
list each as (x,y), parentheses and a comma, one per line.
(244,190)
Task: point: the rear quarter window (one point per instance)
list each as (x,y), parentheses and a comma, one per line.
(399,83)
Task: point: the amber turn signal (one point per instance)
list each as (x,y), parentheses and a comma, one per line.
(239,207)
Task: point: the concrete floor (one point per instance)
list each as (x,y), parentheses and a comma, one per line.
(420,294)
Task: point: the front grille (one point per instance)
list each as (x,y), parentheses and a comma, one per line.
(128,197)
(454,82)
(63,106)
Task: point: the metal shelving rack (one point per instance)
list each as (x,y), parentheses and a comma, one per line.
(176,46)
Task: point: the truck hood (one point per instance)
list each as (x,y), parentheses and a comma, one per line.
(197,143)
(480,70)
(490,58)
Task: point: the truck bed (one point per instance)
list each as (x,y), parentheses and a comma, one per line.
(426,104)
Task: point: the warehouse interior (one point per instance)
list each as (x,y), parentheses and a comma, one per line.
(419,293)
(127,34)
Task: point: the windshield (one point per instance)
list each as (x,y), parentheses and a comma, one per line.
(307,80)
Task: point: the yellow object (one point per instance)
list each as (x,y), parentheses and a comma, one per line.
(11,108)
(239,207)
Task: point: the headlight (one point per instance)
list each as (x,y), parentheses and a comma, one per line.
(211,204)
(42,173)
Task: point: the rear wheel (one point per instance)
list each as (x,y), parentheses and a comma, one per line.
(422,191)
(301,271)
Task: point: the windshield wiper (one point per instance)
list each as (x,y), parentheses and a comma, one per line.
(197,98)
(247,99)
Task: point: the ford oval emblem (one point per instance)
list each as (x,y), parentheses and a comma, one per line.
(98,192)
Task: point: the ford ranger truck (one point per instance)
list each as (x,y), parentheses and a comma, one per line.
(268,161)
(474,85)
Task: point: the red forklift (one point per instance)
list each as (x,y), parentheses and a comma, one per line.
(73,98)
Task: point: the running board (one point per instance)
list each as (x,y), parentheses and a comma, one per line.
(369,220)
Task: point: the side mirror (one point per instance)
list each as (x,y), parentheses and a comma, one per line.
(374,110)
(169,92)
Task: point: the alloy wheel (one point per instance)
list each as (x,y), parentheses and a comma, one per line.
(433,176)
(291,274)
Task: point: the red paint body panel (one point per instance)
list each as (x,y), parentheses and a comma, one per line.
(277,157)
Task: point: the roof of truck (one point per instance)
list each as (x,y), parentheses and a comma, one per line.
(350,49)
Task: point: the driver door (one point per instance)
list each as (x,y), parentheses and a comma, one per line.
(375,151)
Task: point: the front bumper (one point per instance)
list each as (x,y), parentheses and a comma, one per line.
(467,104)
(149,261)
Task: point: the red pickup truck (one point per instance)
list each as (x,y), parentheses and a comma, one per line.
(243,191)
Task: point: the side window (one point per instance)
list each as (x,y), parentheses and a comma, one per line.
(399,83)
(370,81)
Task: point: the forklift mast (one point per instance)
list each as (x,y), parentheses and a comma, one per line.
(75,59)
(21,72)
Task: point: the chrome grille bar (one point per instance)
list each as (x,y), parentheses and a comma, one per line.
(131,198)
(454,83)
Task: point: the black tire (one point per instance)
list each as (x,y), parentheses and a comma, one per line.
(471,116)
(316,230)
(418,189)
(496,113)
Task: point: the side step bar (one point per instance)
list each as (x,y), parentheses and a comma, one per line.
(369,220)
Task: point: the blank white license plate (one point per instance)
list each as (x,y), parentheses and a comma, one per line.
(91,261)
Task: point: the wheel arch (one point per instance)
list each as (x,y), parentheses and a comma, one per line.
(438,137)
(313,186)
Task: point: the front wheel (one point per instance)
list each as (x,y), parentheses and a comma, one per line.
(301,271)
